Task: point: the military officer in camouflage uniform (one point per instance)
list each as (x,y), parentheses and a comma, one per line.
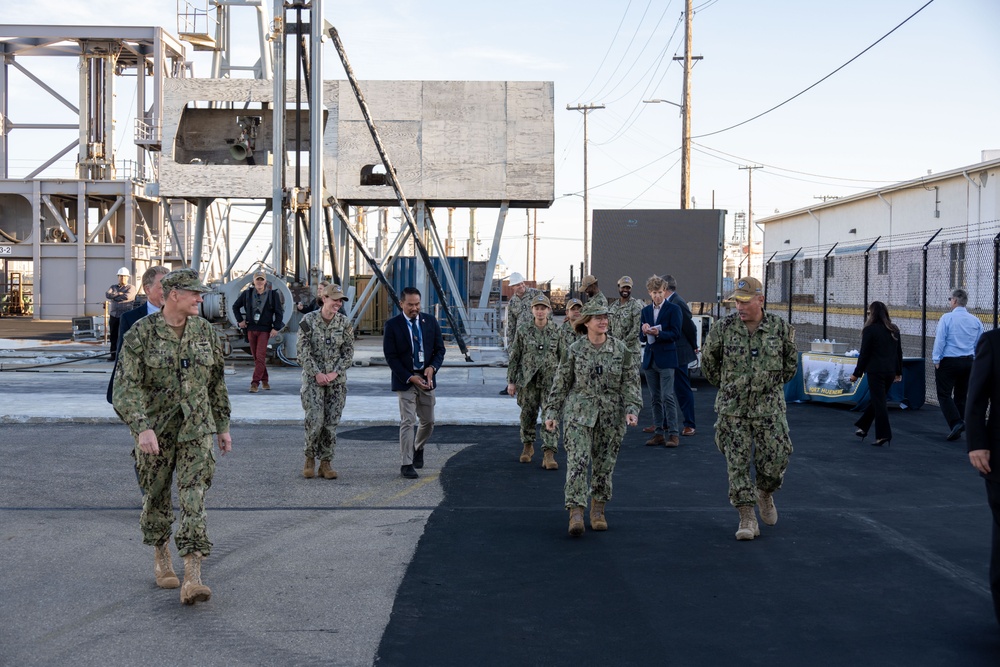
(749,356)
(534,358)
(596,393)
(519,306)
(567,332)
(325,351)
(625,319)
(588,286)
(169,389)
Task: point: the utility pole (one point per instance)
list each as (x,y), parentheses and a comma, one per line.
(534,251)
(685,108)
(750,169)
(686,113)
(527,237)
(585,108)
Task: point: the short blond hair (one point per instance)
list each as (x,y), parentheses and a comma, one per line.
(655,283)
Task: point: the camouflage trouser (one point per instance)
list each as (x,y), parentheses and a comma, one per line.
(193,461)
(530,398)
(766,440)
(597,446)
(323,407)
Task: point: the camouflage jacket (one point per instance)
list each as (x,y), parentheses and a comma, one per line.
(594,382)
(325,347)
(568,336)
(518,312)
(534,353)
(159,376)
(750,370)
(624,321)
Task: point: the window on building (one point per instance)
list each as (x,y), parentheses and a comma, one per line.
(807,268)
(829,267)
(883,262)
(957,266)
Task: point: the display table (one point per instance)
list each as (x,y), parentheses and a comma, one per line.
(826,378)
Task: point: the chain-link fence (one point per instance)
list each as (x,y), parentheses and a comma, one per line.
(824,290)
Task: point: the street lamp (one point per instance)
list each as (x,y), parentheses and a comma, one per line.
(685,152)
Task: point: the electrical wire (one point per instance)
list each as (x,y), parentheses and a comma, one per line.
(608,52)
(652,33)
(799,94)
(625,52)
(744,160)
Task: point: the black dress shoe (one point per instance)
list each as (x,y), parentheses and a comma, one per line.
(956,431)
(418,458)
(408,472)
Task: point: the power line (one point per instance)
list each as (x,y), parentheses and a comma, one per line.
(625,52)
(870,47)
(791,171)
(608,52)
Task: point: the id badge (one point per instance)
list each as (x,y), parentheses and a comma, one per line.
(256,317)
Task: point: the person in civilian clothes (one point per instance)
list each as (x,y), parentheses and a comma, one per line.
(122,298)
(954,348)
(414,349)
(259,311)
(661,325)
(151,279)
(687,351)
(983,437)
(881,359)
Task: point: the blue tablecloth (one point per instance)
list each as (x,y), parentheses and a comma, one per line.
(826,378)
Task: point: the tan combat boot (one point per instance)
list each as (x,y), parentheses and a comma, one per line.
(193,590)
(597,519)
(576,521)
(549,460)
(765,503)
(309,471)
(527,452)
(164,568)
(748,523)
(325,471)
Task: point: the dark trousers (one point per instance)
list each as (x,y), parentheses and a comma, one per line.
(113,323)
(952,378)
(878,388)
(993,494)
(685,397)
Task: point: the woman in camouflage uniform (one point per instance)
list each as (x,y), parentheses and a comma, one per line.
(597,395)
(325,352)
(567,332)
(534,357)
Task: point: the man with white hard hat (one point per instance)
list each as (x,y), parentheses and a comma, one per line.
(122,299)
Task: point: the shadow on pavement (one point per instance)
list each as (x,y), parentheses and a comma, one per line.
(879,556)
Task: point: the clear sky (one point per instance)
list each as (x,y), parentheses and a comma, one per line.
(924,98)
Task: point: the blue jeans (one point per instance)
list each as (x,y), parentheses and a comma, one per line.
(661,389)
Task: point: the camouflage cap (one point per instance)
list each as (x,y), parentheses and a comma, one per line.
(587,281)
(574,303)
(541,300)
(186,279)
(594,307)
(333,292)
(747,288)
(625,280)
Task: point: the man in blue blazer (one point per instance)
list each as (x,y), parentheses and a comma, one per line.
(154,301)
(687,346)
(661,327)
(414,350)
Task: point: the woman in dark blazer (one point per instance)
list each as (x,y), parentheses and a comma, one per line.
(881,359)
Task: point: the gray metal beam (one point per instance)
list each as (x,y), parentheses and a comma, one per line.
(491,264)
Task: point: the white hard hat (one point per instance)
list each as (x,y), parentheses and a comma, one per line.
(516,279)
(124,271)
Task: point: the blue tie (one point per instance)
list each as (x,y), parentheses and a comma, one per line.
(415,332)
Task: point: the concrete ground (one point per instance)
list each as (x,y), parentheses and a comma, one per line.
(879,555)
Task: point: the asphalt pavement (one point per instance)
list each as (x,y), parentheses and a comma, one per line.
(880,555)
